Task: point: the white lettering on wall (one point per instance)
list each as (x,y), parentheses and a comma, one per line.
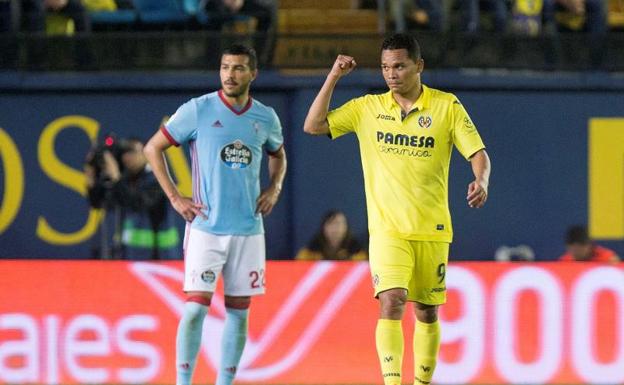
(24,349)
(54,350)
(470,328)
(583,331)
(144,350)
(550,315)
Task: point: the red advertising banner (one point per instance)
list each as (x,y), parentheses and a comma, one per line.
(65,322)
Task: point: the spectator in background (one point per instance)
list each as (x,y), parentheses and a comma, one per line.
(470,14)
(581,248)
(527,17)
(333,241)
(72,9)
(146,224)
(32,14)
(410,13)
(264,11)
(587,15)
(107,5)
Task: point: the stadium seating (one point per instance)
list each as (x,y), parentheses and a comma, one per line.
(125,17)
(318,4)
(192,9)
(322,18)
(325,17)
(295,16)
(160,12)
(105,14)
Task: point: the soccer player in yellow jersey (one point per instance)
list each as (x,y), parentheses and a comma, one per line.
(406,137)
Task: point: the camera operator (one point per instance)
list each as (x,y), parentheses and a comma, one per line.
(120,181)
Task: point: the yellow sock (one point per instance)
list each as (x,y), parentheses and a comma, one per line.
(389,338)
(426,347)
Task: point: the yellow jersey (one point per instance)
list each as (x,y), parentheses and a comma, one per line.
(406,159)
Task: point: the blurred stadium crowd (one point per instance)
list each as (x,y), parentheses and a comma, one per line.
(492,31)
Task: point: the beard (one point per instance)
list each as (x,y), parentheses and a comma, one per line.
(236,92)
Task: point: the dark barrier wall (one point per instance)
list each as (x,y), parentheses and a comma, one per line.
(536,129)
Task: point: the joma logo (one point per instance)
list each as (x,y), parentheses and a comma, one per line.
(385,117)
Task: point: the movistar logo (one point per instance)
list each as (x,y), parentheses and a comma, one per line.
(405,140)
(386,117)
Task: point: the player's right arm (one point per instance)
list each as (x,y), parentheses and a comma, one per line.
(155,153)
(316,120)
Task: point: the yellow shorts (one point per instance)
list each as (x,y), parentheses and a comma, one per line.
(418,266)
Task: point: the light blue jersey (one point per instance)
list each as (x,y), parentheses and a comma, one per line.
(226,148)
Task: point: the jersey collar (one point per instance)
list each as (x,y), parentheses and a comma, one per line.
(231,107)
(423,102)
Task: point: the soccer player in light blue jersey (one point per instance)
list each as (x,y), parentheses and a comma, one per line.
(226,131)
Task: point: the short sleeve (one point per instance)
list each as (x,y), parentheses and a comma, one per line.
(276,139)
(344,119)
(182,126)
(465,135)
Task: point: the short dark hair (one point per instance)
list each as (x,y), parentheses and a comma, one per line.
(403,41)
(239,49)
(577,234)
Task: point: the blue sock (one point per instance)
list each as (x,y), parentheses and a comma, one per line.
(188,341)
(232,344)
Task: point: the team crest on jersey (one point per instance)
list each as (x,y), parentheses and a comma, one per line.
(424,121)
(468,123)
(236,155)
(208,276)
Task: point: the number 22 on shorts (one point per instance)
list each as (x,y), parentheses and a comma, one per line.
(257,279)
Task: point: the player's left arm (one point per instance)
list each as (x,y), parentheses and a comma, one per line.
(277,171)
(469,143)
(478,189)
